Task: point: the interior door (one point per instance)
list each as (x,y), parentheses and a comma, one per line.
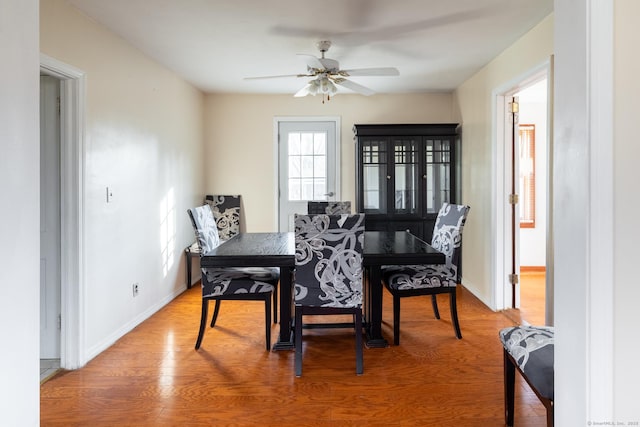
(50,243)
(308,166)
(513,200)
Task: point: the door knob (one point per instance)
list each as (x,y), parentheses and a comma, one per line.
(330,194)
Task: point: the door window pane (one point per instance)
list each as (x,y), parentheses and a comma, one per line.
(307,166)
(527,176)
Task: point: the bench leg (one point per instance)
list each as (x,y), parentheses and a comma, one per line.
(509,389)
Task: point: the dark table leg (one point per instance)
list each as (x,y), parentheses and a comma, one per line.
(285,339)
(374,310)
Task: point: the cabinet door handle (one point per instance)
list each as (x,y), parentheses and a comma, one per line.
(388,176)
(424,176)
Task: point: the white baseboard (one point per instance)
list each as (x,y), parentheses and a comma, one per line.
(476,292)
(129,326)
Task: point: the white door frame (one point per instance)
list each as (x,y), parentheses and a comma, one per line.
(276,155)
(72,277)
(501,215)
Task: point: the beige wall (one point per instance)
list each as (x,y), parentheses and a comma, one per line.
(144,139)
(241,151)
(474,105)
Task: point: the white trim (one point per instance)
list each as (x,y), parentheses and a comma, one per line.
(498,215)
(72,354)
(276,154)
(600,286)
(501,212)
(550,269)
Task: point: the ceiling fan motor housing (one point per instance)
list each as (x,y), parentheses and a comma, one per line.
(331,66)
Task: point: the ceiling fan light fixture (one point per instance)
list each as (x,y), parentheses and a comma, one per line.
(320,85)
(315,88)
(328,88)
(332,88)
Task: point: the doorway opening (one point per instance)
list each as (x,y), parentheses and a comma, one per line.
(50,244)
(532,204)
(523,276)
(71,205)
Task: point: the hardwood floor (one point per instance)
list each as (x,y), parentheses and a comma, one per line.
(532,299)
(154,377)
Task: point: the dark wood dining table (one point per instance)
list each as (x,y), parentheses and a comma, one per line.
(278,250)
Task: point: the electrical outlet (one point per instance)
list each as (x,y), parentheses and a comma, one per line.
(136,289)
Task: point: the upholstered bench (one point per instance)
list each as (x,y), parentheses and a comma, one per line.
(529,349)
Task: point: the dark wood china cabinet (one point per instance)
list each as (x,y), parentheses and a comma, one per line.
(404,172)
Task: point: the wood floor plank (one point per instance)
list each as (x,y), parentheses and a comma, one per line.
(154,377)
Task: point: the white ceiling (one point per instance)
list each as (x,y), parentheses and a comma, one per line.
(435,44)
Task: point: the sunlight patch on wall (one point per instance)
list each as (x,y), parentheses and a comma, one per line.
(168,231)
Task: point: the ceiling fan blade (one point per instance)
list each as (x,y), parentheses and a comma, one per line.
(362,90)
(384,71)
(312,61)
(303,92)
(277,77)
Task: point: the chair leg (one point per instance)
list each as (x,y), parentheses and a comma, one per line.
(203,322)
(509,389)
(434,303)
(298,340)
(454,314)
(267,319)
(550,415)
(187,255)
(359,364)
(216,310)
(275,305)
(396,320)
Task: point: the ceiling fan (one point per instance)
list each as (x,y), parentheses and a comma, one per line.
(326,74)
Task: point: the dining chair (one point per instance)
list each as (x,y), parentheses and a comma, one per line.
(226,212)
(328,274)
(329,208)
(230,283)
(414,280)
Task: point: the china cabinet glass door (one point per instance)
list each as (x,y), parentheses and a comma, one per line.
(374,175)
(437,173)
(406,170)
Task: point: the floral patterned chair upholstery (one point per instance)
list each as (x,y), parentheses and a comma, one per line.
(328,275)
(230,283)
(329,208)
(530,350)
(412,280)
